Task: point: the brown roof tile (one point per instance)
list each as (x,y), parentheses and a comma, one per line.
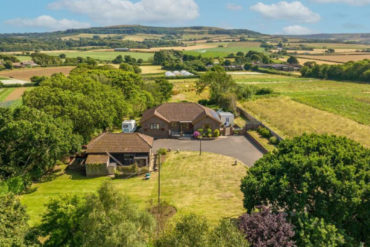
(97,159)
(177,112)
(120,143)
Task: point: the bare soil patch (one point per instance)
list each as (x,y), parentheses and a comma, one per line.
(26,74)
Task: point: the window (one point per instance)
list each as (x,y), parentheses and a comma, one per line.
(154,126)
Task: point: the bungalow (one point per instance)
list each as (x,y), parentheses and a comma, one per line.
(178,119)
(110,150)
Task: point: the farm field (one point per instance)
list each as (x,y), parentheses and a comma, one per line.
(184,90)
(108,55)
(151,69)
(348,99)
(190,47)
(335,58)
(290,118)
(208,185)
(228,48)
(11,97)
(26,74)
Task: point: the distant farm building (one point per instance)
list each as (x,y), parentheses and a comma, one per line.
(284,67)
(178,73)
(121,49)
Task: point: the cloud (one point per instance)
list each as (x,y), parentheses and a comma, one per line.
(351,2)
(47,22)
(113,12)
(293,11)
(234,7)
(296,30)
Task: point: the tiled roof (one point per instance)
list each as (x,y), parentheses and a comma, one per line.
(177,112)
(97,159)
(120,143)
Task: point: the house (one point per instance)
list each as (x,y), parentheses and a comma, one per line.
(283,67)
(29,64)
(178,119)
(227,118)
(122,49)
(111,150)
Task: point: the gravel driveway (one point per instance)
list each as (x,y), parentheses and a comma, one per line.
(238,147)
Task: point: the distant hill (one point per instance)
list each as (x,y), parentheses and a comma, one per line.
(336,37)
(138,29)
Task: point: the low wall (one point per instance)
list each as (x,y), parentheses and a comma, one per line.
(253,123)
(97,170)
(256,143)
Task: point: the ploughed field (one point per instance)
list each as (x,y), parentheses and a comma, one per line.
(26,73)
(208,185)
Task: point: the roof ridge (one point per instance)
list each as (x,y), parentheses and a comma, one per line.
(142,137)
(97,138)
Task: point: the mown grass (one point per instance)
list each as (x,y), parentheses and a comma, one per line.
(104,55)
(208,185)
(4,92)
(290,118)
(348,99)
(263,141)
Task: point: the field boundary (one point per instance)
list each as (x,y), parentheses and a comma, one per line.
(254,123)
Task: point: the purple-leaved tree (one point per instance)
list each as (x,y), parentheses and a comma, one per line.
(267,229)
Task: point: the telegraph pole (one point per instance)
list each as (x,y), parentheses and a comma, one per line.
(159,180)
(200,146)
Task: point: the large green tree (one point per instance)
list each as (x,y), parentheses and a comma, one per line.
(325,176)
(32,141)
(89,104)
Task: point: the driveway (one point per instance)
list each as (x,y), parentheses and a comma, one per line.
(238,147)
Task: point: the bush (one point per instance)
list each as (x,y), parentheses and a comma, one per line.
(216,133)
(273,140)
(264,132)
(266,229)
(162,151)
(264,91)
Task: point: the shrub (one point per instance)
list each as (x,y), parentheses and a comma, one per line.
(264,91)
(264,132)
(162,151)
(267,229)
(273,140)
(196,134)
(216,133)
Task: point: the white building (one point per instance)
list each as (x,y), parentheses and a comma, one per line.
(128,126)
(227,118)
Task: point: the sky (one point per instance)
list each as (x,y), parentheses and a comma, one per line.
(264,16)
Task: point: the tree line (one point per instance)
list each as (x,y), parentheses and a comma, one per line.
(351,71)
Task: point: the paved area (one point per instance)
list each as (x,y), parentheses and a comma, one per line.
(238,147)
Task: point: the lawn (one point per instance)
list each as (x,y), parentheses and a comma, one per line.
(290,118)
(208,185)
(348,99)
(103,55)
